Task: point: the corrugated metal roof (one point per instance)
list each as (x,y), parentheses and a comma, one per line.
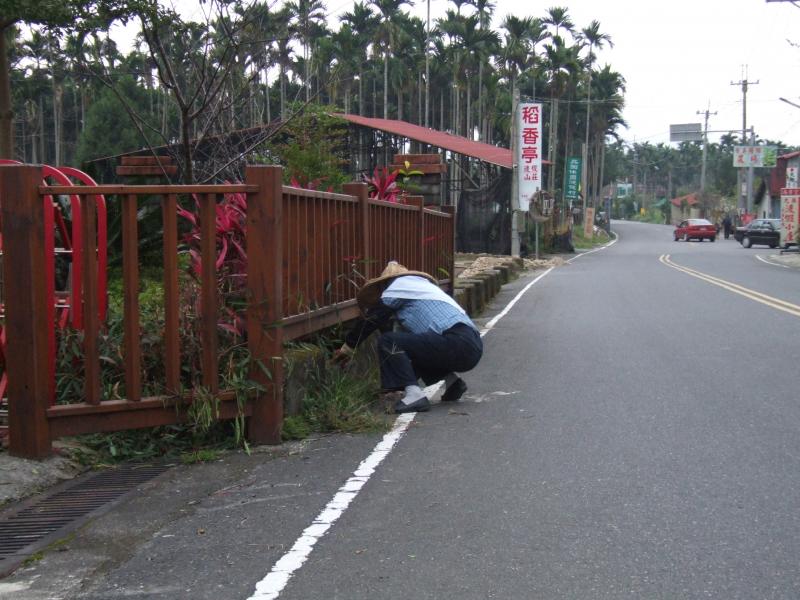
(455,143)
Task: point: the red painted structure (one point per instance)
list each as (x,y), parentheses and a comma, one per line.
(65,307)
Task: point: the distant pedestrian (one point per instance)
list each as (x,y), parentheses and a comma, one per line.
(727,226)
(436,340)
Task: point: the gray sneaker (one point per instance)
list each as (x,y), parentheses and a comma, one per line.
(420,405)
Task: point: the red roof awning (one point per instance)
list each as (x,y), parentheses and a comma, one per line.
(455,143)
(691,200)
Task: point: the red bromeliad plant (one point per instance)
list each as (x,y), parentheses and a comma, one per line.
(231,261)
(310,184)
(383,185)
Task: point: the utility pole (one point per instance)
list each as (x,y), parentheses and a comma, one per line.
(514,204)
(744,200)
(707,113)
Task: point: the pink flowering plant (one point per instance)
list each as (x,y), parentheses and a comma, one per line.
(231,255)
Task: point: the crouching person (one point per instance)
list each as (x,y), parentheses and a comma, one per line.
(435,339)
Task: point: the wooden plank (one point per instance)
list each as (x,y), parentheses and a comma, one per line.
(117,415)
(299,326)
(155,190)
(172,350)
(27,317)
(424,168)
(136,161)
(132,352)
(152,171)
(418,159)
(208,293)
(265,306)
(91,320)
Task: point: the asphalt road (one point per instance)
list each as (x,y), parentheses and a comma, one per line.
(631,432)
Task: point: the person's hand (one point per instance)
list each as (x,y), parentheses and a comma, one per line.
(342,356)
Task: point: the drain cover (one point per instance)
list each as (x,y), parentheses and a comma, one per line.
(34,525)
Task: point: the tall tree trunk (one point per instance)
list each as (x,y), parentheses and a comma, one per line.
(399,103)
(58,122)
(470,136)
(419,99)
(42,156)
(385,85)
(480,101)
(360,94)
(283,92)
(6,108)
(188,171)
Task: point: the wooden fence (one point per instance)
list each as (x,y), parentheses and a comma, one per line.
(308,252)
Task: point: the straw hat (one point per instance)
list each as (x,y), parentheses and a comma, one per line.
(370,294)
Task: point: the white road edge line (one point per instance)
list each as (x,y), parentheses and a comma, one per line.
(769,262)
(603,247)
(276,580)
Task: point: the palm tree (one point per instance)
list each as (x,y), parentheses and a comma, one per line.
(562,63)
(558,17)
(308,14)
(609,89)
(385,35)
(362,23)
(514,56)
(593,38)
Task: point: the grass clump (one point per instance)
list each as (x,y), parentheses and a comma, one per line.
(580,241)
(337,400)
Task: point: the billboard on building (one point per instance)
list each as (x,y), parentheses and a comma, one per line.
(755,156)
(529,152)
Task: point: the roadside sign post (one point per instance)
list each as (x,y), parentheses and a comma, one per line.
(790,216)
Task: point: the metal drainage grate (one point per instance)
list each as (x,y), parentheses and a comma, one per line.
(30,528)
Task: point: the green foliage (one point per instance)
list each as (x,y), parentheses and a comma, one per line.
(339,401)
(651,215)
(295,427)
(312,148)
(582,242)
(336,399)
(108,131)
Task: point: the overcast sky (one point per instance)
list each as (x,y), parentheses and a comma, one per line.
(679,57)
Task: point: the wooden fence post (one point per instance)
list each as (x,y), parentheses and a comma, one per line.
(419,202)
(361,191)
(27,318)
(265,302)
(452,246)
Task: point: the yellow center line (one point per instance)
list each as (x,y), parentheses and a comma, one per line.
(787,307)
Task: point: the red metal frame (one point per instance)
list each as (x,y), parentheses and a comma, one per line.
(70,309)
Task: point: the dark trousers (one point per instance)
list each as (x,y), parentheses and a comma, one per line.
(407,357)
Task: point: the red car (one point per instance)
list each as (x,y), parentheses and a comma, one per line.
(698,229)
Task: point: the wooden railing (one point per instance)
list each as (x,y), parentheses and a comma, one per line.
(308,252)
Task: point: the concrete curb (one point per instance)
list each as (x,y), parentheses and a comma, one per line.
(475,292)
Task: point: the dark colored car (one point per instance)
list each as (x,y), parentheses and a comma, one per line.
(695,229)
(766,232)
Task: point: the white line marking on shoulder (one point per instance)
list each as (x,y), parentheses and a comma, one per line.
(769,262)
(271,586)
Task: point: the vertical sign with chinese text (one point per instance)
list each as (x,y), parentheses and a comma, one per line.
(572,185)
(790,215)
(529,153)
